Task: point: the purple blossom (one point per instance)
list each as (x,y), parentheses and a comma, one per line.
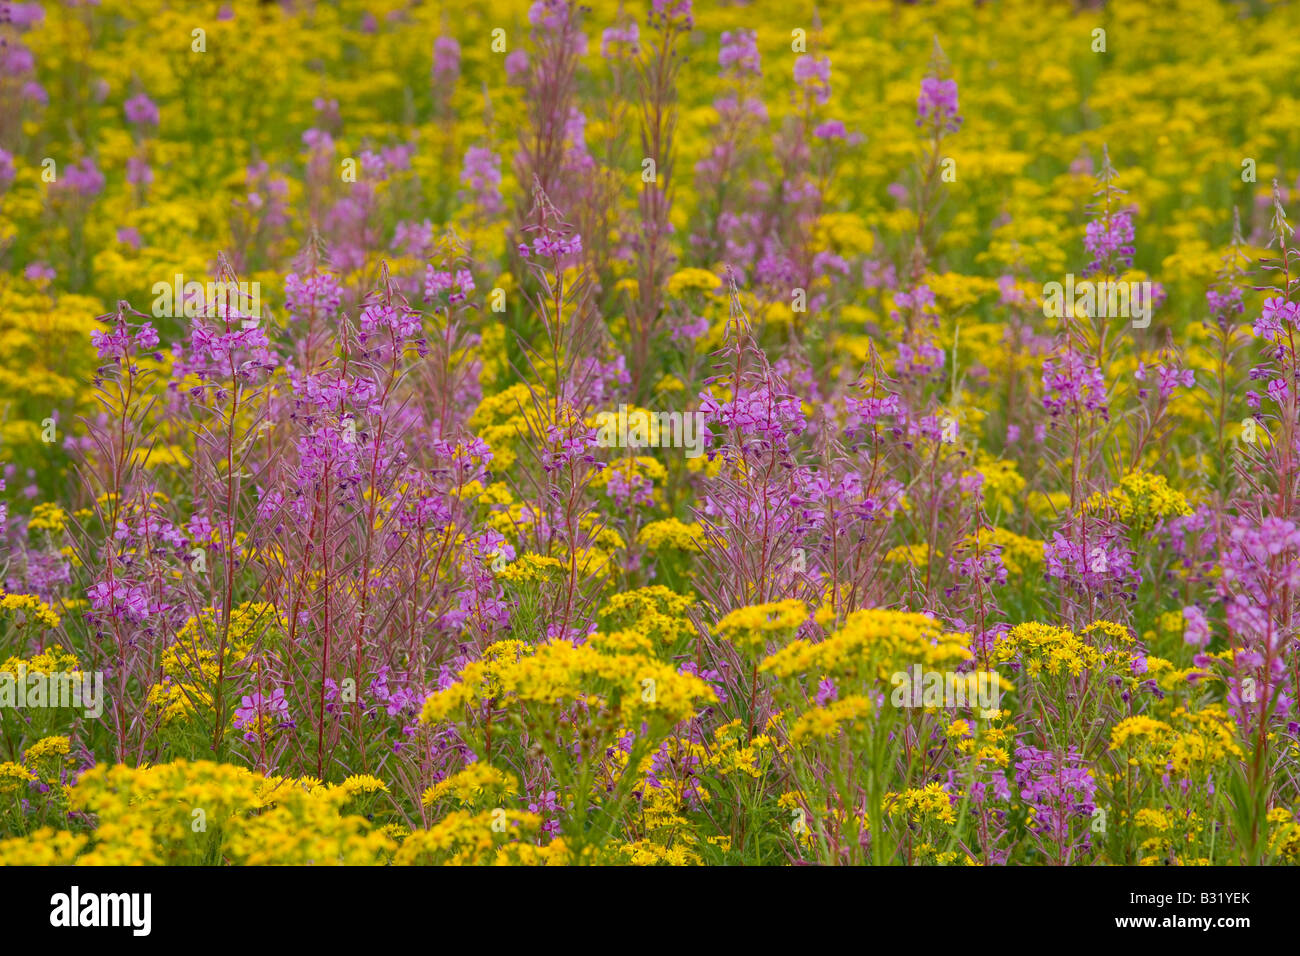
(7,172)
(446,60)
(813,74)
(255,708)
(938,103)
(620,41)
(482,173)
(142,111)
(1196,629)
(739,54)
(39,272)
(1070,380)
(1107,238)
(121,599)
(1061,792)
(315,294)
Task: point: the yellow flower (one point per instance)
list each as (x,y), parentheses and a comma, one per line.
(688,280)
(43,847)
(45,748)
(529,567)
(361,783)
(632,686)
(23,608)
(672,533)
(1140,500)
(752,627)
(471,787)
(14,777)
(915,555)
(488,838)
(47,517)
(870,645)
(829,720)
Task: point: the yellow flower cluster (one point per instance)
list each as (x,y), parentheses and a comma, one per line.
(47,516)
(692,280)
(649,853)
(730,753)
(1046,650)
(654,611)
(872,644)
(1283,835)
(190,665)
(48,758)
(1003,484)
(632,686)
(363,783)
(488,838)
(52,660)
(529,567)
(502,419)
(206,813)
(672,533)
(1189,744)
(930,803)
(827,721)
(14,777)
(752,627)
(470,787)
(1140,500)
(24,608)
(913,555)
(635,471)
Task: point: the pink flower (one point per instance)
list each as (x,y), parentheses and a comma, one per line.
(142,111)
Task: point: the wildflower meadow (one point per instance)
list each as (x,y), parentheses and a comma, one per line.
(649,432)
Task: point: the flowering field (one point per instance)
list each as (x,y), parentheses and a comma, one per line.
(649,433)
